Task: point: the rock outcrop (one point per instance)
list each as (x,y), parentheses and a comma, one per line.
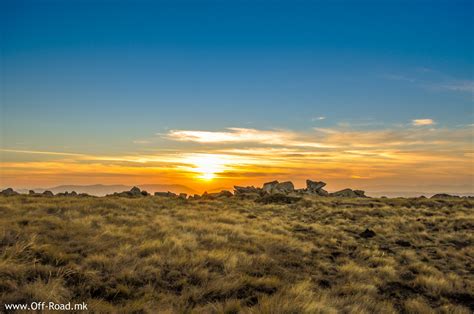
(48,193)
(166,194)
(444,195)
(8,192)
(276,187)
(348,193)
(134,192)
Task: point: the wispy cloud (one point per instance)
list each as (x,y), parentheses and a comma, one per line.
(318,118)
(421,122)
(242,135)
(434,80)
(459,86)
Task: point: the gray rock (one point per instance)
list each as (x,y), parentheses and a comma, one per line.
(284,187)
(135,191)
(269,187)
(165,194)
(344,193)
(248,189)
(48,193)
(8,192)
(314,186)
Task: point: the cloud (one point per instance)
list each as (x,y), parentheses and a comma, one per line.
(421,122)
(242,135)
(434,80)
(459,86)
(318,118)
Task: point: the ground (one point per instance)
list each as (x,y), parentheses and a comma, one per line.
(153,254)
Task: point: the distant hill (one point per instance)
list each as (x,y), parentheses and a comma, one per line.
(101,189)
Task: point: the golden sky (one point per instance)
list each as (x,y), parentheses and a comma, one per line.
(414,155)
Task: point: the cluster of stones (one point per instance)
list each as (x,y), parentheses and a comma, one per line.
(287,188)
(11,192)
(269,191)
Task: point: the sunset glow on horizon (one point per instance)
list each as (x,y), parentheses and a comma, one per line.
(210,95)
(419,155)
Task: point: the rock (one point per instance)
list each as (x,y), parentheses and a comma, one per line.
(444,195)
(278,199)
(144,193)
(322,192)
(135,191)
(367,233)
(31,192)
(48,193)
(348,193)
(248,189)
(73,193)
(224,194)
(197,196)
(8,192)
(165,194)
(314,186)
(360,193)
(285,187)
(403,243)
(83,195)
(280,188)
(183,196)
(269,186)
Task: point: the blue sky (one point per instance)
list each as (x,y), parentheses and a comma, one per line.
(97,76)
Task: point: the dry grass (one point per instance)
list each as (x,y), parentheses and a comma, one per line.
(227,256)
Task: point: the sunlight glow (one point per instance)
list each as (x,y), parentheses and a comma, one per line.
(206,165)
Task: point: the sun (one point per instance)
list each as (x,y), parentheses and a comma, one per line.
(207,176)
(207,166)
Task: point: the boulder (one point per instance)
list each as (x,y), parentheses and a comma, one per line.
(348,193)
(194,197)
(285,187)
(135,191)
(144,193)
(8,192)
(269,186)
(165,194)
(73,193)
(314,186)
(183,196)
(360,193)
(224,194)
(322,192)
(31,192)
(248,189)
(367,233)
(277,187)
(48,193)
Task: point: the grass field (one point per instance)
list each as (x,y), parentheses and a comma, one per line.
(155,254)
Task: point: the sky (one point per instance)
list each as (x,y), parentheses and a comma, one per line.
(375,95)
